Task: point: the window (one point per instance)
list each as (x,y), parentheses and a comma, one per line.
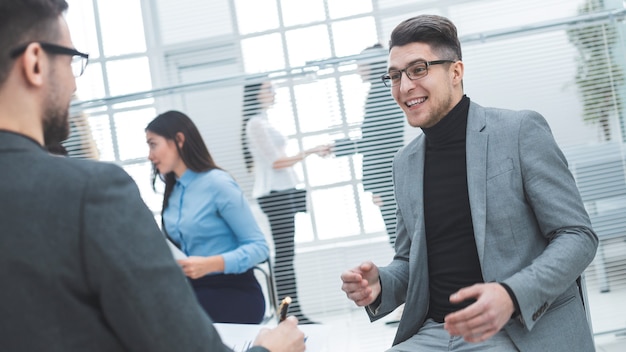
(313,112)
(118,65)
(569,70)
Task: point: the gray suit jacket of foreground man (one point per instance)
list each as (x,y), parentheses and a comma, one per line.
(531,230)
(83,265)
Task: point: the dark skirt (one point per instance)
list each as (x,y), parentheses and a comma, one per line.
(231,298)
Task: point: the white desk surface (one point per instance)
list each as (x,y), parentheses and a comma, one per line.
(238,336)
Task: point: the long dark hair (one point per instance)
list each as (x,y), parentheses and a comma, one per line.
(194,152)
(251,106)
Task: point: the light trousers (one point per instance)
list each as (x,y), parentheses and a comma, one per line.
(433,337)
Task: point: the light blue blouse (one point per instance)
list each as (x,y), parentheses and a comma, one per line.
(208,215)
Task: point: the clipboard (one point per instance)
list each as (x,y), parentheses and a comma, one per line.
(240,337)
(176,252)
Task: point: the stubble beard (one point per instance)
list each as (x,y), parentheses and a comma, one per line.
(440,110)
(56,127)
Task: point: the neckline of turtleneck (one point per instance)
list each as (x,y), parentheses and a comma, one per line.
(451,127)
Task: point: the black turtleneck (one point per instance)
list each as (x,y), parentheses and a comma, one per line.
(452,256)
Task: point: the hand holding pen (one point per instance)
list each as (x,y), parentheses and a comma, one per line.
(286,337)
(283,309)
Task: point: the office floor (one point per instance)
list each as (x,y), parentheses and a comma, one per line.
(352,331)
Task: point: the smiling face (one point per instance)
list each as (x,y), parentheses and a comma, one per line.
(164,155)
(426,100)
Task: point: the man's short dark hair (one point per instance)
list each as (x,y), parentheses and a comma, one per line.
(25,21)
(437,31)
(375,68)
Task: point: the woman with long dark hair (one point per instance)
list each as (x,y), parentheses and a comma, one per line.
(207,216)
(274,184)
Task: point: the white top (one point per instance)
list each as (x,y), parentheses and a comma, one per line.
(267,145)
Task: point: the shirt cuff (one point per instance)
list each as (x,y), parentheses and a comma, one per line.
(231,263)
(373,307)
(513,298)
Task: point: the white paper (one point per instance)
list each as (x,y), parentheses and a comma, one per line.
(177,253)
(239,337)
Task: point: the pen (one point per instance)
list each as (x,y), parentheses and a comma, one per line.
(284,307)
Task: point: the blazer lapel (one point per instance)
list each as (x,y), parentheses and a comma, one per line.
(412,196)
(416,179)
(476,154)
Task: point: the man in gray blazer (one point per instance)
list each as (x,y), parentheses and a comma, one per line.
(84,266)
(492,232)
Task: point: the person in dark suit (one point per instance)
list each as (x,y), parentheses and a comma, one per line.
(382,134)
(492,232)
(84,265)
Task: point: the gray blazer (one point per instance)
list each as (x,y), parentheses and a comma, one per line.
(531,228)
(83,265)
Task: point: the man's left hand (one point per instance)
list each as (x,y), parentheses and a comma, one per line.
(485,317)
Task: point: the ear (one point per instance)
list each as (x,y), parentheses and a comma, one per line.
(458,69)
(180,139)
(33,64)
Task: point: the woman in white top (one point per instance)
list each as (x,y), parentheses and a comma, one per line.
(274,184)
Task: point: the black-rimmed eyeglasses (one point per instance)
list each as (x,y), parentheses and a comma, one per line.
(414,71)
(79,60)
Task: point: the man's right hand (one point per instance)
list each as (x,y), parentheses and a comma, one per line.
(286,337)
(361,284)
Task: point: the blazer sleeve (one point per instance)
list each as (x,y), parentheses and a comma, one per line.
(344,147)
(394,278)
(143,295)
(551,191)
